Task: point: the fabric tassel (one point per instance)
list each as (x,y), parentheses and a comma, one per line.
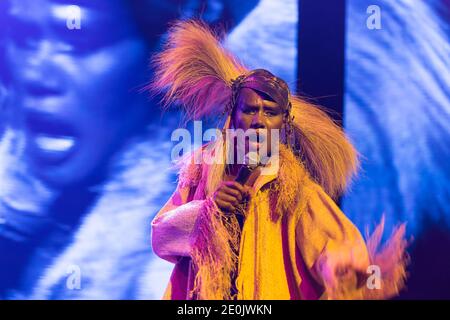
(286,193)
(214,253)
(383,278)
(391,259)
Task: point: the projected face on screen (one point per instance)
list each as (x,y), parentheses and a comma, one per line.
(76,66)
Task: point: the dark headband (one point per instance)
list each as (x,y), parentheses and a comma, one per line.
(265,82)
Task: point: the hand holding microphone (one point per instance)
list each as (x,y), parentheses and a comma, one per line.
(230,194)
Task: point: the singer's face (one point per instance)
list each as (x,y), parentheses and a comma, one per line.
(73,83)
(255,110)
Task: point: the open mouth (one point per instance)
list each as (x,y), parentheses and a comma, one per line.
(54,144)
(262,136)
(52,140)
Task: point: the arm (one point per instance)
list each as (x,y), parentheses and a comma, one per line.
(338,257)
(173,226)
(332,247)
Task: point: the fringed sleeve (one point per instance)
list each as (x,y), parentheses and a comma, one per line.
(339,259)
(173,226)
(199,230)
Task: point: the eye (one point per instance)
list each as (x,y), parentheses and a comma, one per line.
(249,110)
(81,41)
(272,113)
(24,35)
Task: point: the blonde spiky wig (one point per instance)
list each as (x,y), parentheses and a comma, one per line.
(197,72)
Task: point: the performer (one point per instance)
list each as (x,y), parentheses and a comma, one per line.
(295,242)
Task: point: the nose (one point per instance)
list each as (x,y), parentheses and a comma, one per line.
(258,120)
(40,53)
(41,74)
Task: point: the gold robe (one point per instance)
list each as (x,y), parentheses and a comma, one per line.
(292,232)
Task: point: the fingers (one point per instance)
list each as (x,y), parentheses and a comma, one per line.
(233,193)
(226,206)
(236,186)
(225,199)
(230,194)
(243,190)
(228,198)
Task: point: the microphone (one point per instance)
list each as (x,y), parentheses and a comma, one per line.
(251,162)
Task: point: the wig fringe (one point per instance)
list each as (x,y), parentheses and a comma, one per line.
(325,150)
(195,70)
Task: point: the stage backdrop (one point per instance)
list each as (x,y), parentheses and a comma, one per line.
(85,154)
